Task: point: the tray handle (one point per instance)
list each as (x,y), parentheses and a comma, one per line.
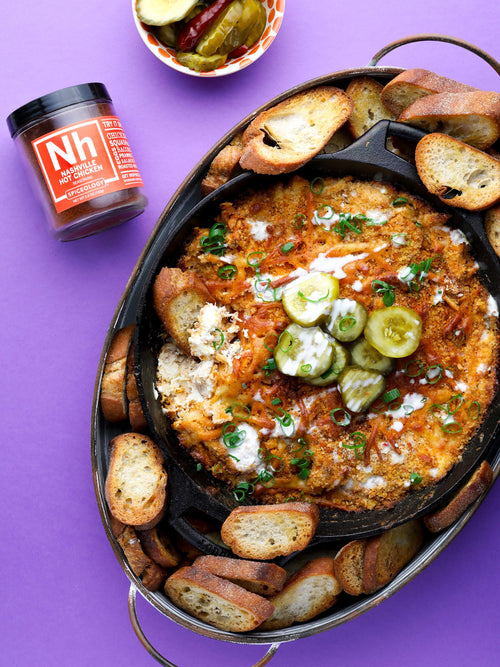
(431,37)
(132,610)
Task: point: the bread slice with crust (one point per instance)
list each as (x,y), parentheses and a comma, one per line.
(260,578)
(492,227)
(310,591)
(415,83)
(477,484)
(289,134)
(216,601)
(472,117)
(388,553)
(178,297)
(158,546)
(368,109)
(457,173)
(349,563)
(263,532)
(151,574)
(136,481)
(224,166)
(114,403)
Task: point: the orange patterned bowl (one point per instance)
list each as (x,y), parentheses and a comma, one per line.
(274,10)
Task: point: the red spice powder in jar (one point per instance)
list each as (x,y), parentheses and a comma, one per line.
(79,160)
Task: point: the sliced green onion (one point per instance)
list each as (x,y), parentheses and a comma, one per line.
(227,272)
(474,410)
(400,201)
(317,185)
(199,467)
(231,456)
(236,407)
(218,344)
(321,298)
(414,372)
(344,420)
(276,401)
(347,322)
(391,395)
(415,478)
(452,427)
(242,490)
(257,254)
(400,239)
(359,443)
(455,403)
(299,221)
(306,368)
(429,375)
(266,478)
(232,438)
(302,443)
(459,337)
(266,337)
(269,366)
(286,247)
(328,215)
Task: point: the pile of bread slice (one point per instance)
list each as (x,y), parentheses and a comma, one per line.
(248,589)
(458,161)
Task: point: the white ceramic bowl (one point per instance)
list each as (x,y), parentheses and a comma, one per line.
(274,10)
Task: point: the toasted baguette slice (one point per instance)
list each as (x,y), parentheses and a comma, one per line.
(413,84)
(388,553)
(136,481)
(368,109)
(151,574)
(178,297)
(266,531)
(457,173)
(309,592)
(473,118)
(289,134)
(492,228)
(349,566)
(216,601)
(158,546)
(224,166)
(260,578)
(114,403)
(477,484)
(136,415)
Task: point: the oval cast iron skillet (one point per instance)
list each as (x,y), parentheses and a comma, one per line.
(189,489)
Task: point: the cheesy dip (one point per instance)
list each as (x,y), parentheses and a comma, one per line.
(312,281)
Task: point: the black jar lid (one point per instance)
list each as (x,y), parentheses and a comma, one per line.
(32,111)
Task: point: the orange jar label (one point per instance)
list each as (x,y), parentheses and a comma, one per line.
(86,160)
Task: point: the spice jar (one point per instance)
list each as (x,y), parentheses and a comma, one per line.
(81,166)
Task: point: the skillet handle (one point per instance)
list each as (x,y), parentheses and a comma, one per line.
(432,37)
(132,610)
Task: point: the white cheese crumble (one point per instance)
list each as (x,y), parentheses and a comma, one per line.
(325,217)
(438,296)
(357,286)
(492,307)
(258,229)
(211,333)
(457,237)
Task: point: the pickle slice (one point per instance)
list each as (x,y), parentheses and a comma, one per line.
(366,356)
(200,63)
(303,352)
(159,12)
(308,299)
(394,331)
(340,360)
(346,319)
(258,27)
(360,387)
(220,29)
(167,34)
(241,31)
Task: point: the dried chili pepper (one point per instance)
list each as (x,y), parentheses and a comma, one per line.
(190,35)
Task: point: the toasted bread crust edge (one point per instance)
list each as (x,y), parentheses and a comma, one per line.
(468,494)
(114,404)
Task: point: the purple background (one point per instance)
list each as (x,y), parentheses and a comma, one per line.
(64,595)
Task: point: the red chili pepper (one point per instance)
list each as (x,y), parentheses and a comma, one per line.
(238,52)
(190,35)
